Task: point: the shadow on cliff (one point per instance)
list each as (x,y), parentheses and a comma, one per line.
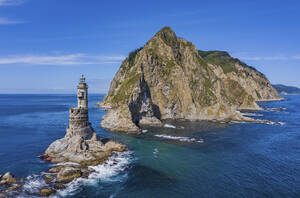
(143,106)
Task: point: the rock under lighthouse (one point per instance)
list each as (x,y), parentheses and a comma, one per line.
(81,144)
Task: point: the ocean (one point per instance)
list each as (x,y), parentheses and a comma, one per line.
(180,159)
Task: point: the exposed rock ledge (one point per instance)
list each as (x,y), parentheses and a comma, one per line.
(83,151)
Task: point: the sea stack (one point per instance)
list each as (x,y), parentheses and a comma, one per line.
(170,79)
(81,144)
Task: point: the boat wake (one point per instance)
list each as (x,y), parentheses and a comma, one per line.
(179,138)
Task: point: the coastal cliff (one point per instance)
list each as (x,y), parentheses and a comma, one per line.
(168,78)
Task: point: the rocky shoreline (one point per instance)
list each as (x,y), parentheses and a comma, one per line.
(57,178)
(73,154)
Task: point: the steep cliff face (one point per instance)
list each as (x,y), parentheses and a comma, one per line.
(170,79)
(226,67)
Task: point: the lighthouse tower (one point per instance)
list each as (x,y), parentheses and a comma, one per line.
(82,93)
(79,117)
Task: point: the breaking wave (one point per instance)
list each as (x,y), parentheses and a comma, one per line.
(275,109)
(155,153)
(170,126)
(111,170)
(251,114)
(179,138)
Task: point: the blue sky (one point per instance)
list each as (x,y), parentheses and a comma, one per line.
(46,44)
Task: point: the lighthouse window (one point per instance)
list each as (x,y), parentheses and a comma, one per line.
(81,94)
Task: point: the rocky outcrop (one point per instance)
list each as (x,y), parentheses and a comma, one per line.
(7,178)
(81,144)
(85,151)
(9,185)
(45,192)
(67,174)
(169,78)
(48,178)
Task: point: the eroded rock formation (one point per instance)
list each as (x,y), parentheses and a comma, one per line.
(169,78)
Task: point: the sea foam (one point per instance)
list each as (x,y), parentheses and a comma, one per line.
(109,171)
(170,126)
(179,138)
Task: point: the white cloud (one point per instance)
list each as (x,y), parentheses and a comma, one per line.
(264,58)
(57,60)
(6,21)
(10,2)
(297,57)
(245,56)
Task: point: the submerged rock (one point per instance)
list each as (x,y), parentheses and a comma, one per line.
(168,78)
(14,187)
(59,186)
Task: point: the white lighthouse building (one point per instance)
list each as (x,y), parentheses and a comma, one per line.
(82,93)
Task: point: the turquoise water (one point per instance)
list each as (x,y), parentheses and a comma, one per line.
(234,160)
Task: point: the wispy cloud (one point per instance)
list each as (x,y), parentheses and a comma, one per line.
(11,2)
(61,60)
(6,21)
(245,56)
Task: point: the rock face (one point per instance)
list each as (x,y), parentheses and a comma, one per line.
(67,174)
(169,78)
(81,144)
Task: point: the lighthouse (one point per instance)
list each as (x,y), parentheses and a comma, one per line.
(82,93)
(79,117)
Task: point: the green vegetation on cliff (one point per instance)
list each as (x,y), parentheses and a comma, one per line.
(225,61)
(220,58)
(168,78)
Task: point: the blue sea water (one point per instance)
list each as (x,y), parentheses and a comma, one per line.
(233,160)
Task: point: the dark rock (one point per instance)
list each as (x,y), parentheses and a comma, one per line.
(67,174)
(14,187)
(47,192)
(48,178)
(55,169)
(85,174)
(3,194)
(59,186)
(7,178)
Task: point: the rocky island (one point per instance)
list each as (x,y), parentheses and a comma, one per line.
(168,78)
(81,144)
